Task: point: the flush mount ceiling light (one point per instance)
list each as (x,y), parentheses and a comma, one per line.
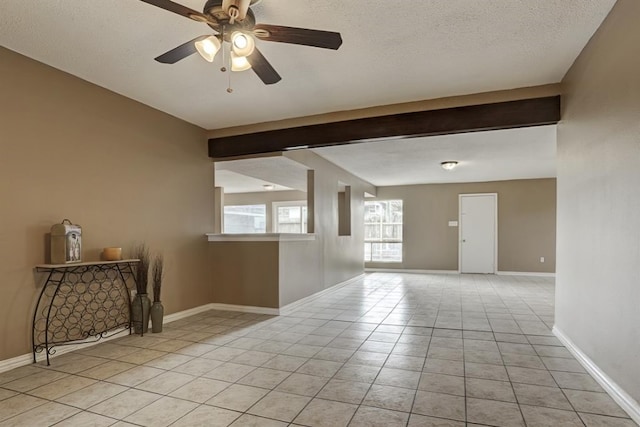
(269,187)
(449,165)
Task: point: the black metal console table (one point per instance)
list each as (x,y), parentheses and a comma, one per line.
(81,303)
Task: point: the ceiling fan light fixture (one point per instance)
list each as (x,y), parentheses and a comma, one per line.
(239,63)
(208,47)
(449,165)
(242,44)
(228,16)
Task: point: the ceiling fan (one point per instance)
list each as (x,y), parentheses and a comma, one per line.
(234,22)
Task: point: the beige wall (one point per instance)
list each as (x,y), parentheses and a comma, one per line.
(126,172)
(301,268)
(245,273)
(340,257)
(526,224)
(598,279)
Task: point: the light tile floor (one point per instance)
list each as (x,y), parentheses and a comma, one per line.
(388,350)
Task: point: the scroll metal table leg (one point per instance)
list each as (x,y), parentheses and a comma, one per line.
(122,269)
(46,329)
(35,314)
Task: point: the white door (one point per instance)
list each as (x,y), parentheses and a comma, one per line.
(478,226)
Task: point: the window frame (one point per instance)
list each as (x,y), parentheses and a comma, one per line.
(289,203)
(224,213)
(382,240)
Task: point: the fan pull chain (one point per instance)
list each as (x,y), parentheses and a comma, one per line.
(223,68)
(229,89)
(224,60)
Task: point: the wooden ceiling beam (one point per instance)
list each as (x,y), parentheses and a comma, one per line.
(473,118)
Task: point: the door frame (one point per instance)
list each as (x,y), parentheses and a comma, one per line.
(495,229)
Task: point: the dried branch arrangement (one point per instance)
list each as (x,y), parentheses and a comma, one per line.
(157,274)
(141,252)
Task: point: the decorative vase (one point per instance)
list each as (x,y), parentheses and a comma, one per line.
(140,307)
(157,314)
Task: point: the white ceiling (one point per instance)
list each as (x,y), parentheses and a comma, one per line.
(250,175)
(234,182)
(523,153)
(393,52)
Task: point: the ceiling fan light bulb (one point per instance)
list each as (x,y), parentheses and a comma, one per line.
(208,47)
(240,41)
(239,63)
(242,44)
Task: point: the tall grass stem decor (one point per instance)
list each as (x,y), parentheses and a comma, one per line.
(157,275)
(141,252)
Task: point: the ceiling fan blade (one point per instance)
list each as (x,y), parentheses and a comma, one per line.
(262,68)
(303,36)
(179,9)
(180,52)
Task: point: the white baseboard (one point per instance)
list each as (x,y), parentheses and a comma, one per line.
(292,306)
(414,271)
(15,362)
(186,313)
(410,271)
(626,402)
(524,273)
(26,359)
(243,308)
(284,309)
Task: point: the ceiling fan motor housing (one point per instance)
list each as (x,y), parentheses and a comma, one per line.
(217,9)
(236,9)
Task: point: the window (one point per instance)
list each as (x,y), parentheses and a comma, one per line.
(290,217)
(383,231)
(245,219)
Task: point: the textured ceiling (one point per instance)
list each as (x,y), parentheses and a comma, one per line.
(393,52)
(234,182)
(482,156)
(250,175)
(524,153)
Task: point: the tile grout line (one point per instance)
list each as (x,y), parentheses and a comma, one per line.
(375,295)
